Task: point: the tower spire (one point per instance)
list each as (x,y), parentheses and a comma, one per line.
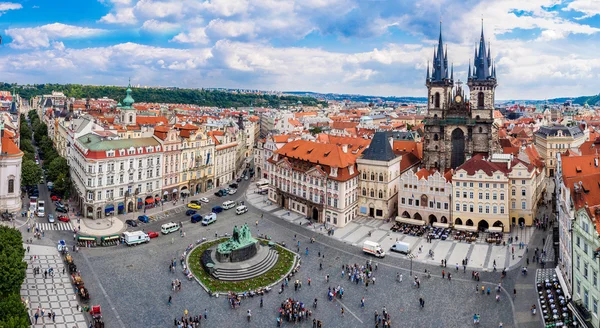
(452,72)
(428,70)
(469,75)
(440,60)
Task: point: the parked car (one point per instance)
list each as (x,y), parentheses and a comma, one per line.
(152,234)
(55,198)
(63,218)
(196,218)
(190,212)
(218,193)
(246,178)
(210,218)
(61,210)
(50,218)
(238,179)
(194,206)
(59,204)
(144,218)
(232,191)
(217,209)
(234,185)
(131,223)
(197,202)
(204,200)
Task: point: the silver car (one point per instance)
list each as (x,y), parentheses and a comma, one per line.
(50,218)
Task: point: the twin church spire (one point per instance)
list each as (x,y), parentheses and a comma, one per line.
(483,67)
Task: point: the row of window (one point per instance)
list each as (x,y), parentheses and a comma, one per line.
(487,185)
(110,167)
(411,186)
(586,298)
(417,202)
(480,195)
(470,208)
(110,194)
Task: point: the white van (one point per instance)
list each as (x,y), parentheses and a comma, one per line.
(228,204)
(135,237)
(41,211)
(167,228)
(241,209)
(401,247)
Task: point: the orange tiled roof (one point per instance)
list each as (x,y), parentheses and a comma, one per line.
(410,146)
(151,120)
(9,148)
(323,154)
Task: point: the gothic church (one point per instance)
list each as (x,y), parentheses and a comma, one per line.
(456,128)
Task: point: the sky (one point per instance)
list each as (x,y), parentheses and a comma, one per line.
(541,48)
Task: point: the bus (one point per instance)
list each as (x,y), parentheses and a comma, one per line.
(262,185)
(33,203)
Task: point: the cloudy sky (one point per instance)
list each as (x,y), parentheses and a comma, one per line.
(542,48)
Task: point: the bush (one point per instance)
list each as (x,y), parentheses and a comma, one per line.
(12,275)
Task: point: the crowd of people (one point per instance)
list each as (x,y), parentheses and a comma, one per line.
(293,311)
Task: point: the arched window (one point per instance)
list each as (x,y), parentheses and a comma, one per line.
(364,192)
(11,186)
(480,129)
(480,98)
(436,147)
(437,100)
(436,137)
(364,175)
(380,176)
(380,194)
(372,176)
(372,193)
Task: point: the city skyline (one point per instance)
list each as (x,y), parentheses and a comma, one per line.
(542,49)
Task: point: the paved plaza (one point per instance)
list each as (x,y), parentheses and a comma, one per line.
(133,284)
(52,294)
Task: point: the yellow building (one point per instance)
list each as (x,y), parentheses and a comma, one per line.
(551,140)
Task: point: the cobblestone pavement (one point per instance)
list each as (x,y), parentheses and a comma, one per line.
(52,294)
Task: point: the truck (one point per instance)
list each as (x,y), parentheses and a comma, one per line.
(373,248)
(135,237)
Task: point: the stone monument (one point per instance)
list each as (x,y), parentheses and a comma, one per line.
(240,247)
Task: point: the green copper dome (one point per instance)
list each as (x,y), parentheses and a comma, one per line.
(128,101)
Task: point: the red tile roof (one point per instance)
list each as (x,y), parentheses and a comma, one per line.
(9,148)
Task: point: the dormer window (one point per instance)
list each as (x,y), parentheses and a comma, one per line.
(334,171)
(121,152)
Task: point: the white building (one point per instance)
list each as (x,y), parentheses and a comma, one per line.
(11,158)
(112,176)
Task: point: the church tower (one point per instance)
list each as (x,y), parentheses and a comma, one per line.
(457,129)
(482,81)
(439,83)
(128,112)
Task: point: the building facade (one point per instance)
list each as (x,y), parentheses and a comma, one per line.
(425,195)
(319,181)
(551,140)
(379,169)
(11,158)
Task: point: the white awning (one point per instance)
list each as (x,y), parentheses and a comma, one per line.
(185,191)
(410,221)
(441,225)
(495,229)
(465,228)
(175,190)
(563,283)
(166,193)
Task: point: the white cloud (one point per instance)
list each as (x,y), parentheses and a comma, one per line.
(226,8)
(41,36)
(158,26)
(589,8)
(6,6)
(195,35)
(229,29)
(123,16)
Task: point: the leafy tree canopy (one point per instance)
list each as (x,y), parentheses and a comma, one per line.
(200,97)
(30,173)
(57,166)
(26,145)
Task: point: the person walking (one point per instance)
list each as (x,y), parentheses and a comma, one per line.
(362,302)
(170,298)
(205,314)
(342,311)
(443,274)
(514,292)
(422,302)
(249,314)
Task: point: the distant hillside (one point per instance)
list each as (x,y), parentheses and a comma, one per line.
(359,98)
(590,100)
(200,97)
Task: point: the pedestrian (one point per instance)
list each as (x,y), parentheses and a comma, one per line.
(514,292)
(422,302)
(476,288)
(443,274)
(306,251)
(27,249)
(309,281)
(261,302)
(362,302)
(205,314)
(456,266)
(342,311)
(170,298)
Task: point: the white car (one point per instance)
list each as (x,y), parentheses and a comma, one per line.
(232,191)
(204,200)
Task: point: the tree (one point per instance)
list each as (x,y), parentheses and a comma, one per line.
(57,166)
(26,146)
(315,130)
(24,130)
(62,184)
(12,275)
(41,130)
(30,173)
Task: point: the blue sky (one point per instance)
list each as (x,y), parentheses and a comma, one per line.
(542,48)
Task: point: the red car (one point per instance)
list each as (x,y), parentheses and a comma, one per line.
(55,198)
(64,218)
(152,234)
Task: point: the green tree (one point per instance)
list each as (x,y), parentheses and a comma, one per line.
(24,130)
(57,166)
(315,130)
(26,146)
(12,267)
(62,184)
(30,173)
(41,130)
(29,156)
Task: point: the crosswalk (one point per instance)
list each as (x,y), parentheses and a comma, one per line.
(56,226)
